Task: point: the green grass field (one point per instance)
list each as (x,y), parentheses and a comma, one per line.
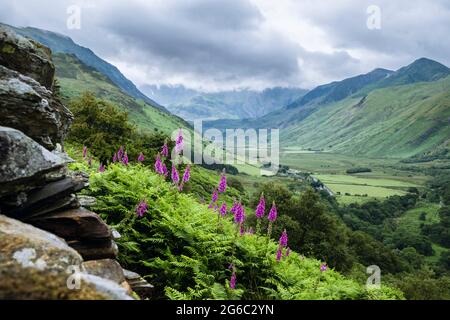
(324,162)
(386,178)
(350,188)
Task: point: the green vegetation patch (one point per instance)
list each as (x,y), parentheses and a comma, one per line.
(185,250)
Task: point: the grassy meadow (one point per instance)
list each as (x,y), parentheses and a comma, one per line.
(386,178)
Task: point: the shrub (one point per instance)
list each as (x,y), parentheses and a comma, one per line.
(102,128)
(358,170)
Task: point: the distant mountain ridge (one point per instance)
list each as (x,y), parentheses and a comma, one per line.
(75,78)
(382,113)
(233,104)
(339,90)
(61,43)
(421,70)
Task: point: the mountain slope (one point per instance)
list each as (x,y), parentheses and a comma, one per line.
(382,114)
(300,109)
(398,121)
(421,70)
(237,104)
(61,43)
(339,90)
(75,78)
(402,114)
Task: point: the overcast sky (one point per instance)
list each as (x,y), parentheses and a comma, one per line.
(225,44)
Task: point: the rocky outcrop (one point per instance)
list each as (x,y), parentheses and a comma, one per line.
(138,284)
(16,150)
(27,56)
(35,264)
(95,249)
(105,268)
(74,224)
(37,188)
(29,107)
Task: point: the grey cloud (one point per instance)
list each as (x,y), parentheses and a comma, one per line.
(409,28)
(223,40)
(229,44)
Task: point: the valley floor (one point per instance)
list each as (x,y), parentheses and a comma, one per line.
(387,177)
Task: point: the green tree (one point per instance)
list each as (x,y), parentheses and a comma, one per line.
(103,128)
(99,125)
(423,285)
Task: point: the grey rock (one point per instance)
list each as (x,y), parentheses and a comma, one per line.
(130,275)
(35,264)
(60,203)
(105,268)
(26,56)
(138,284)
(75,224)
(57,174)
(23,162)
(31,108)
(115,234)
(87,201)
(110,289)
(39,199)
(95,250)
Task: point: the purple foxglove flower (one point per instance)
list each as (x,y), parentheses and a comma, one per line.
(239,215)
(215,196)
(141,157)
(233,281)
(90,162)
(323,267)
(180,187)
(288,252)
(284,239)
(175,176)
(273,213)
(84,152)
(231,266)
(241,230)
(179,142)
(165,150)
(223,182)
(141,208)
(158,165)
(187,174)
(114,157)
(260,209)
(120,153)
(216,207)
(165,172)
(223,209)
(125,159)
(101,168)
(234,207)
(279,253)
(250,231)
